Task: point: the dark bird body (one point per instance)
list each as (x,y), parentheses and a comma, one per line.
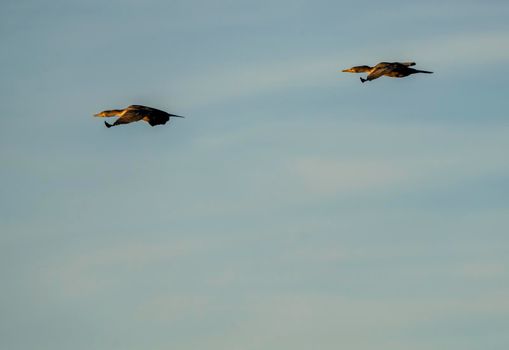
(389,69)
(136,113)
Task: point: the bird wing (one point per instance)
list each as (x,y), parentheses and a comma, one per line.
(377,72)
(156,117)
(151,115)
(145,109)
(130,116)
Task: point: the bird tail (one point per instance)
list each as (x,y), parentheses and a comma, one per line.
(363,80)
(108,125)
(178,116)
(424,71)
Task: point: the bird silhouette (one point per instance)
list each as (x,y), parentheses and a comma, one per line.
(389,69)
(136,113)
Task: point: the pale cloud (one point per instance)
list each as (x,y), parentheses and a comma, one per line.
(303,321)
(86,274)
(380,159)
(234,81)
(450,51)
(322,176)
(484,271)
(376,170)
(328,254)
(165,308)
(460,50)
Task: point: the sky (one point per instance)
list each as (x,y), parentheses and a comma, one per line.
(293,207)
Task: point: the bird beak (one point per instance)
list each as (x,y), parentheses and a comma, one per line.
(346,70)
(96,115)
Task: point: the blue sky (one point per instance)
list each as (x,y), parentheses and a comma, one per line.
(293,208)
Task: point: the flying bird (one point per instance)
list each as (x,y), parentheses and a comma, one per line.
(136,113)
(392,69)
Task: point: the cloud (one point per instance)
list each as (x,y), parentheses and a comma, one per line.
(89,273)
(460,50)
(300,321)
(322,176)
(165,308)
(433,156)
(232,81)
(484,271)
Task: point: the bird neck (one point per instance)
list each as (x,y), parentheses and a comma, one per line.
(363,69)
(112,113)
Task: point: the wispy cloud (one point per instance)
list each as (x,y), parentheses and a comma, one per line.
(87,274)
(303,321)
(225,82)
(483,271)
(449,158)
(249,79)
(463,49)
(321,175)
(166,308)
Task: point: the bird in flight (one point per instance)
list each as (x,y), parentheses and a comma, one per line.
(136,113)
(392,69)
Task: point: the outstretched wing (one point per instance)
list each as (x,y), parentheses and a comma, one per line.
(157,119)
(151,115)
(130,116)
(144,109)
(378,71)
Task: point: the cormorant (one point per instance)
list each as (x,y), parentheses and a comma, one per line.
(136,113)
(392,69)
